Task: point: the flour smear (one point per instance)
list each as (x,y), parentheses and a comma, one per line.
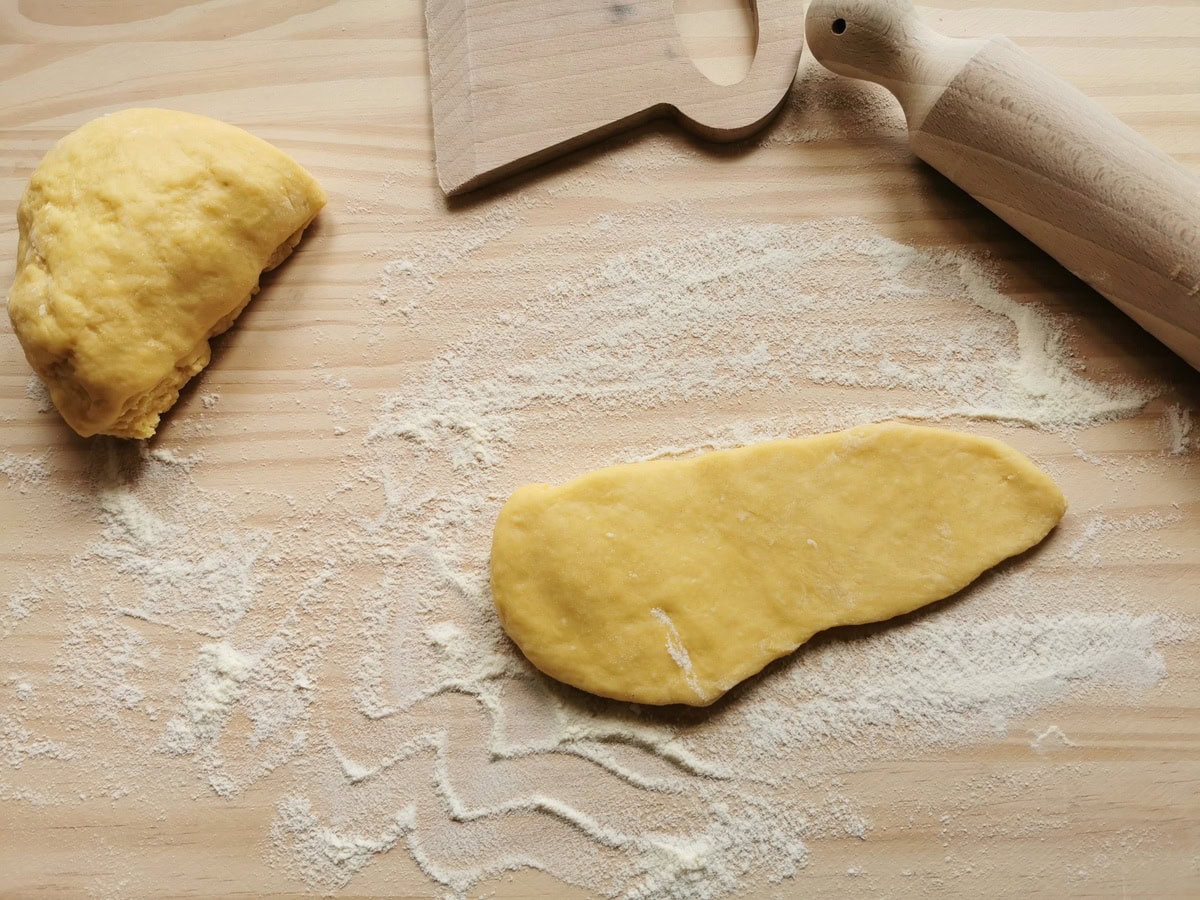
(342,652)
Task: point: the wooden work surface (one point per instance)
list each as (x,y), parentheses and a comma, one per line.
(1113,811)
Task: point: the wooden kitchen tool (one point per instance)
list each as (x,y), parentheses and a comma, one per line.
(1119,213)
(514,82)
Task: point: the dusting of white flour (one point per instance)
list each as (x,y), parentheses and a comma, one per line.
(340,649)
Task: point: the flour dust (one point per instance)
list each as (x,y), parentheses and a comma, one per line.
(341,649)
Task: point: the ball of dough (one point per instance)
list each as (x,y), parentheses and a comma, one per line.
(142,235)
(671,581)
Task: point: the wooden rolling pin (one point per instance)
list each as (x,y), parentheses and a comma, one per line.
(1115,210)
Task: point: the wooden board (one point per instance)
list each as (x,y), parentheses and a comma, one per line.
(381,296)
(514,84)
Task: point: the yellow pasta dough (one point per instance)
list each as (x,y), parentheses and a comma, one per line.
(141,235)
(671,581)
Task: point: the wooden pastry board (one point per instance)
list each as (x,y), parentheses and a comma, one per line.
(295,387)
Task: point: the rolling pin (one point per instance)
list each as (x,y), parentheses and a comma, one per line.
(1113,209)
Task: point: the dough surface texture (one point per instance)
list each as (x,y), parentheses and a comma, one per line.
(671,581)
(140,236)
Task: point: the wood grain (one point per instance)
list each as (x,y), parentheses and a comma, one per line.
(343,88)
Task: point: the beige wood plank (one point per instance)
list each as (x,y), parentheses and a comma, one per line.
(343,87)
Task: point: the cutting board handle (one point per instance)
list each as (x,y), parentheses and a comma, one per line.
(515,83)
(1116,211)
(730,112)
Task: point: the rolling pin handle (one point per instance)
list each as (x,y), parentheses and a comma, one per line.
(884,41)
(863,39)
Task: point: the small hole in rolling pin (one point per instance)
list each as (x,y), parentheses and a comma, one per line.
(839,26)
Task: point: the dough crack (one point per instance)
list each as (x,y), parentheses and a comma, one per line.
(677,650)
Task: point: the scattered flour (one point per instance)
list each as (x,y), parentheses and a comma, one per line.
(23,472)
(209,700)
(18,745)
(1051,740)
(339,647)
(1179,429)
(1095,543)
(164,455)
(702,320)
(18,607)
(940,682)
(36,390)
(824,107)
(331,859)
(695,321)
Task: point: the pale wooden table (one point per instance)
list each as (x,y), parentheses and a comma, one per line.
(342,86)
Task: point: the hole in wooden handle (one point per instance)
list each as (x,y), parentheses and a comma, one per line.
(720,36)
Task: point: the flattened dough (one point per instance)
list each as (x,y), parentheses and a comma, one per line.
(142,235)
(671,581)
